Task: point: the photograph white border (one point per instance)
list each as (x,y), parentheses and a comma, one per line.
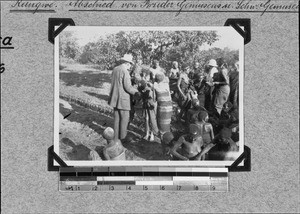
(150,162)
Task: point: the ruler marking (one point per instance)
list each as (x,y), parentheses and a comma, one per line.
(143,179)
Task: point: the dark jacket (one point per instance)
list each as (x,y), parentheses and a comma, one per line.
(121,88)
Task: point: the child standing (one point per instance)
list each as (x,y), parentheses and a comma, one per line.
(149,106)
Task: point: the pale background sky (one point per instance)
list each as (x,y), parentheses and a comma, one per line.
(228,36)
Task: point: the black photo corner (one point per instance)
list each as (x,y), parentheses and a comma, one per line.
(237,24)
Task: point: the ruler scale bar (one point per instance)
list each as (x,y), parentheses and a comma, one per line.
(143,179)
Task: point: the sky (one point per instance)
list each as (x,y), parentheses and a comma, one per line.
(228,36)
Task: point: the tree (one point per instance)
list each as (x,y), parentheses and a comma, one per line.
(166,46)
(69,47)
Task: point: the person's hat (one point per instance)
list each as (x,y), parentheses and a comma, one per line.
(194,130)
(167,137)
(159,77)
(108,133)
(225,133)
(127,58)
(185,66)
(213,63)
(202,115)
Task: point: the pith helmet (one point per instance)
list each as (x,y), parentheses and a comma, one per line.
(213,63)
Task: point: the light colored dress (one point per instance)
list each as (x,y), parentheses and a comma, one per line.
(222,91)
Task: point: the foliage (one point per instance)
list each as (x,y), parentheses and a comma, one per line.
(69,47)
(166,46)
(230,56)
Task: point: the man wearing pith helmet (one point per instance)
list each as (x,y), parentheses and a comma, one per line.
(212,65)
(188,147)
(119,97)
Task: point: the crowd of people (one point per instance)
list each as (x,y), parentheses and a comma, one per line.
(202,102)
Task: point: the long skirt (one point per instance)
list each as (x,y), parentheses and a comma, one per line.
(164,114)
(220,97)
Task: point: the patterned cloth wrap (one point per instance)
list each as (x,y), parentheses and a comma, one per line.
(164,106)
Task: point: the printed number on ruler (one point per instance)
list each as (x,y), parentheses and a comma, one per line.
(70,188)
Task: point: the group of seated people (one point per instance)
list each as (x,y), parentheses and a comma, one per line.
(208,112)
(205,138)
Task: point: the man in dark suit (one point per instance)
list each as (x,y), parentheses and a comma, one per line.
(119,98)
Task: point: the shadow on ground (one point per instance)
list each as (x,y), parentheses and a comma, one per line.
(86,78)
(98,121)
(78,152)
(99,96)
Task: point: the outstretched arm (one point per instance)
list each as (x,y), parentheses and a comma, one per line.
(176,146)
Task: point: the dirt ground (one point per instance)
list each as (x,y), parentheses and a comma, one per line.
(85,113)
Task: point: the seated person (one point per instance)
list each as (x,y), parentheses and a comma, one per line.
(192,113)
(222,147)
(167,144)
(114,149)
(228,117)
(188,147)
(235,136)
(206,129)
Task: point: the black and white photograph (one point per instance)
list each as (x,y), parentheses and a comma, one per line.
(149,96)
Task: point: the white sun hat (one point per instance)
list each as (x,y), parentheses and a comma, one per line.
(127,58)
(213,63)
